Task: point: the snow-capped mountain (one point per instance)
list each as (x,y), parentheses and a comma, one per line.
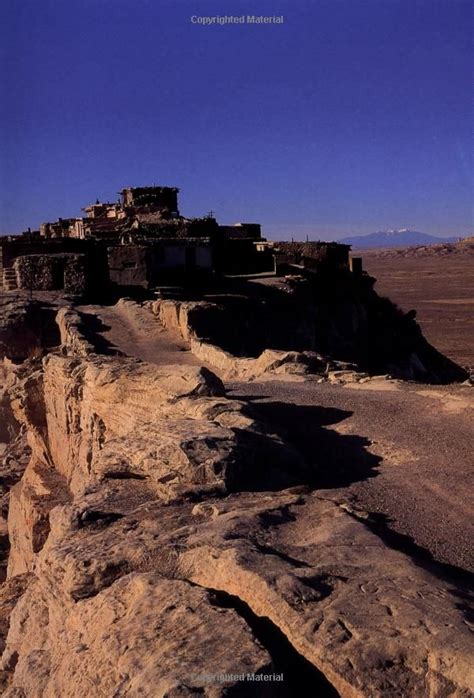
(395,238)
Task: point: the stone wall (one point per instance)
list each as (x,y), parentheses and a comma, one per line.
(52,272)
(65,264)
(314,254)
(128,265)
(150,264)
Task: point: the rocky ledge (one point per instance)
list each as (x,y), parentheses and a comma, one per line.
(162,543)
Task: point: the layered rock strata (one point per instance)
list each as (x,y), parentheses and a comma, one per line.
(144,557)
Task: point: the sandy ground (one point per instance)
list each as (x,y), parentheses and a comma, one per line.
(140,334)
(440,288)
(400,451)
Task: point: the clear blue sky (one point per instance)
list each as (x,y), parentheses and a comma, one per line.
(352,116)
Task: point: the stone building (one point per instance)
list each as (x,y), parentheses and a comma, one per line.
(152,262)
(163,199)
(313,255)
(64,271)
(142,240)
(62,228)
(33,262)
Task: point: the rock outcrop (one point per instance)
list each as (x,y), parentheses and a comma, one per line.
(146,554)
(189,319)
(114,597)
(144,635)
(316,318)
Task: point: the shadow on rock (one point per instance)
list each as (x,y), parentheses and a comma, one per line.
(330,459)
(92,329)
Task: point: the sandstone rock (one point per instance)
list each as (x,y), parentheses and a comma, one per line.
(344,376)
(145,635)
(372,621)
(10,592)
(108,608)
(188,319)
(105,420)
(40,489)
(72,334)
(162,424)
(275,361)
(135,589)
(14,452)
(8,377)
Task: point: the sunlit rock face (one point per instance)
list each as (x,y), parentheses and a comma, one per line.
(162,533)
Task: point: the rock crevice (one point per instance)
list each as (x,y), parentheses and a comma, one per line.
(146,556)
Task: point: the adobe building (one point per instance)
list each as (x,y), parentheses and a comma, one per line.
(142,240)
(164,199)
(313,255)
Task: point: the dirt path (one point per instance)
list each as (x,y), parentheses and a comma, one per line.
(138,333)
(404,455)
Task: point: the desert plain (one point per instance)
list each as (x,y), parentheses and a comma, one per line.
(437,281)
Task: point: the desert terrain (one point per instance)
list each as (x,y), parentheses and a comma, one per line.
(437,281)
(181,521)
(402,440)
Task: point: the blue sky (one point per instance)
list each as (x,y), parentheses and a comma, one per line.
(352,116)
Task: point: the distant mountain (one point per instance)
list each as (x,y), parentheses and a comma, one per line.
(395,238)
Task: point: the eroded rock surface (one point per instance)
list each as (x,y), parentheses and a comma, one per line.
(145,635)
(110,587)
(144,551)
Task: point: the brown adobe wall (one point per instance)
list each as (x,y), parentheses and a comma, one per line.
(128,265)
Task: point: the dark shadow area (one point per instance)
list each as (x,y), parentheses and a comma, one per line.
(301,678)
(92,328)
(92,517)
(262,464)
(336,314)
(28,327)
(466,602)
(48,329)
(331,459)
